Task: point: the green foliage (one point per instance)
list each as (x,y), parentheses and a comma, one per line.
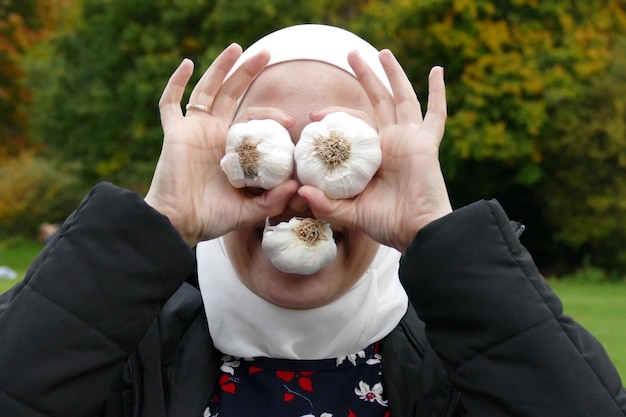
(22,24)
(17,254)
(588,274)
(508,64)
(536,108)
(97,86)
(528,83)
(34,191)
(17,22)
(601,309)
(586,195)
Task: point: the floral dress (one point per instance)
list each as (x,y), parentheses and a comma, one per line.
(350,386)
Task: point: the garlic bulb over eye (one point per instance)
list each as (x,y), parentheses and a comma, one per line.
(300,246)
(259,153)
(339,154)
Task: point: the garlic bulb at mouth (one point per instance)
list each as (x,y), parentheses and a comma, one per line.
(339,154)
(301,246)
(259,153)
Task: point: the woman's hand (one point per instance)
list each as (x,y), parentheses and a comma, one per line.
(188,185)
(408,191)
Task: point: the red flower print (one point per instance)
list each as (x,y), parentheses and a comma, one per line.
(286,375)
(303,378)
(254,370)
(305,383)
(227,385)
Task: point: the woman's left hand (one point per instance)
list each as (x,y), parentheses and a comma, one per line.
(409,190)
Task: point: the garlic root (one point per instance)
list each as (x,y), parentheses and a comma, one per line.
(259,153)
(339,154)
(301,246)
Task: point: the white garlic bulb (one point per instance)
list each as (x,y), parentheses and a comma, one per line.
(300,246)
(259,153)
(339,154)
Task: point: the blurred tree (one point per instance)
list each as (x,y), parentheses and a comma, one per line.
(585,187)
(34,190)
(521,77)
(19,23)
(97,87)
(517,71)
(22,23)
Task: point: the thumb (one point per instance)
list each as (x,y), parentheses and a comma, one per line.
(340,212)
(271,202)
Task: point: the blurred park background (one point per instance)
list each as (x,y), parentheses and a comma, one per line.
(536,93)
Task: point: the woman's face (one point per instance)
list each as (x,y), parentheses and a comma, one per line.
(298,88)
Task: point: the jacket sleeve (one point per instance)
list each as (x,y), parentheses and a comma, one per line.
(85,303)
(497,325)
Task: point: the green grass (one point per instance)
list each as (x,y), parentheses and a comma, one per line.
(17,254)
(600,307)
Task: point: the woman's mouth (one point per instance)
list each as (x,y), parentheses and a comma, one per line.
(338,232)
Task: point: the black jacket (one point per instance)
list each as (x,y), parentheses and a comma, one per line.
(104,324)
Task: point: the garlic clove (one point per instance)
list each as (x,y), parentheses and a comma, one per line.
(339,154)
(301,246)
(259,153)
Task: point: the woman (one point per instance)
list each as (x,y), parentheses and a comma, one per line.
(104,325)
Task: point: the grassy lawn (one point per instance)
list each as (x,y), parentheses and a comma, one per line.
(601,308)
(17,255)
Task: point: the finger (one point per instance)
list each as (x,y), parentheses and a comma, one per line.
(408,107)
(169,104)
(340,212)
(204,92)
(233,88)
(318,115)
(380,97)
(436,114)
(261,113)
(270,203)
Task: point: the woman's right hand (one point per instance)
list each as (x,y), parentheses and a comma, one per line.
(188,185)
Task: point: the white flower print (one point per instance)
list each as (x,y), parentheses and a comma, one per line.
(207,413)
(351,357)
(374,394)
(376,359)
(228,363)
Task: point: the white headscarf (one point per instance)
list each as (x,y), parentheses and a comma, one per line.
(313,42)
(243,324)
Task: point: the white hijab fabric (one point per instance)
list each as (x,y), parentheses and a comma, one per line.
(243,324)
(314,42)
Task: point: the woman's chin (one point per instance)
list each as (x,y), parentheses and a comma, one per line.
(300,291)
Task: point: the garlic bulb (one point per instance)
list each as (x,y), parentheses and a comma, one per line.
(259,153)
(300,246)
(339,154)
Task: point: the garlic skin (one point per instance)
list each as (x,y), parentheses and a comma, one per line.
(301,246)
(259,153)
(339,154)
